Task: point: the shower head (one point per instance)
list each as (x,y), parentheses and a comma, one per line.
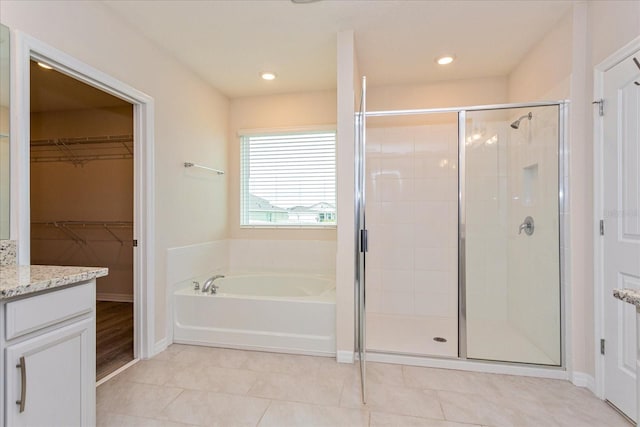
(516,124)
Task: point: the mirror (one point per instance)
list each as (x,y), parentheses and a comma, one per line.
(5,186)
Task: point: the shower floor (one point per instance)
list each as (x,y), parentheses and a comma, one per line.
(488,340)
(498,340)
(412,335)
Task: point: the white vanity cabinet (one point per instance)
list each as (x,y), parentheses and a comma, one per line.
(48,346)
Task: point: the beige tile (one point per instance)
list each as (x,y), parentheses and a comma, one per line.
(384,373)
(107,419)
(143,400)
(394,400)
(448,380)
(494,411)
(539,389)
(170,352)
(213,378)
(282,363)
(589,411)
(216,409)
(380,419)
(285,414)
(298,388)
(212,356)
(567,404)
(149,372)
(329,368)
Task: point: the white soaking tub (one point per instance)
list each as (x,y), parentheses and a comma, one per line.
(271,312)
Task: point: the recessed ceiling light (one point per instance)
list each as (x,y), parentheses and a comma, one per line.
(445,59)
(267,75)
(45,66)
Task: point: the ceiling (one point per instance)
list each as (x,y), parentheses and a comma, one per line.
(228,43)
(54,91)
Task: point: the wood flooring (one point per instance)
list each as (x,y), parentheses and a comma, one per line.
(114,336)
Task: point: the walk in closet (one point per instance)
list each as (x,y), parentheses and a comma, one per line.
(81,159)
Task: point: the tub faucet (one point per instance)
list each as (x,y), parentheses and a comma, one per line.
(209,285)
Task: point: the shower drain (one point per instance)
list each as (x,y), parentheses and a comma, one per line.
(439,339)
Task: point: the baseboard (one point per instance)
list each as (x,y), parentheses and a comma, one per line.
(159,347)
(581,379)
(344,356)
(106,296)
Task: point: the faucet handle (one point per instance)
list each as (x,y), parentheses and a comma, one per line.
(528,226)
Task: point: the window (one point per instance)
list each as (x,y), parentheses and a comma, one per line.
(288,180)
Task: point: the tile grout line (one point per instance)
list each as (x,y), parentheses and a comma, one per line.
(182,390)
(444,416)
(263,414)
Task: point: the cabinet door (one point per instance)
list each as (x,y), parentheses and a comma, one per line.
(59,385)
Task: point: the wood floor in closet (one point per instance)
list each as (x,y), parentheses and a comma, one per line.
(114,336)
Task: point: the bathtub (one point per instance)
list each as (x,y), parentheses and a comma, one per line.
(269,312)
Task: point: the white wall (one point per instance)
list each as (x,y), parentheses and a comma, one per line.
(345,271)
(457,93)
(191,119)
(546,68)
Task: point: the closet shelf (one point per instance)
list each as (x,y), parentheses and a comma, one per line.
(79,151)
(72,228)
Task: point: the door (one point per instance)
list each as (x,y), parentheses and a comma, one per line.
(360,241)
(52,375)
(621,221)
(509,230)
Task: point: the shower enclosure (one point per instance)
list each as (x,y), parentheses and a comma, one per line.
(459,233)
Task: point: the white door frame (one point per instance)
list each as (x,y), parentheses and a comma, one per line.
(24,49)
(598,188)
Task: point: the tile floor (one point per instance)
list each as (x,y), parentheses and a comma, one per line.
(188,385)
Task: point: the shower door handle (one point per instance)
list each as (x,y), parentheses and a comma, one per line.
(528,226)
(364,240)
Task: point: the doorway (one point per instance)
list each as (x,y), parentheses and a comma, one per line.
(81,157)
(28,48)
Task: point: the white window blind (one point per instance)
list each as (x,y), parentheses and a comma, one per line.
(288,180)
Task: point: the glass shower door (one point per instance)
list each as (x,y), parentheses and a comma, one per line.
(360,240)
(509,235)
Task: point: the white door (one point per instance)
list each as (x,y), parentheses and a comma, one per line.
(621,197)
(52,377)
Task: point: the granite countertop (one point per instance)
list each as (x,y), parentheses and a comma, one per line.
(26,279)
(631,296)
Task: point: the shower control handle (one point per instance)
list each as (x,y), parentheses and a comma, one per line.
(528,226)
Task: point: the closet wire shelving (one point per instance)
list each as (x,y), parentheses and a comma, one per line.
(80,150)
(73,229)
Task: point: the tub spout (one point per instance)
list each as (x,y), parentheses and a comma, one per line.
(209,285)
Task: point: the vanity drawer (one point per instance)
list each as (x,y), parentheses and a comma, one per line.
(37,312)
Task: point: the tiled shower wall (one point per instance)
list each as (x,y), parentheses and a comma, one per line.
(411,215)
(534,274)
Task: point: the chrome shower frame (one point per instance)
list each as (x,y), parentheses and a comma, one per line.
(563,225)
